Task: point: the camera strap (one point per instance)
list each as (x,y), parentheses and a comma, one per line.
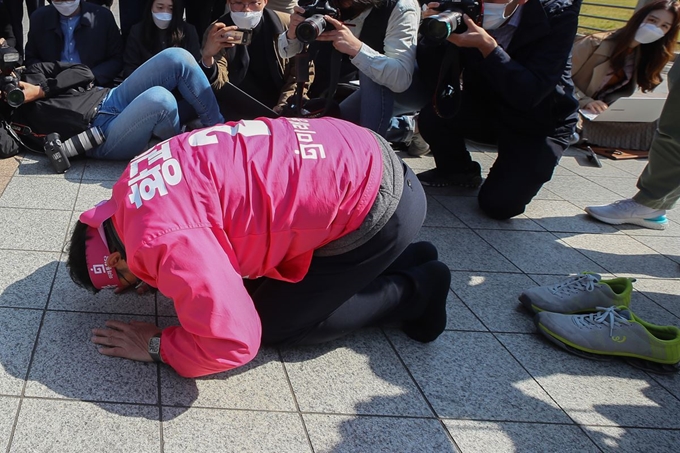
(446,97)
(302,70)
(14,129)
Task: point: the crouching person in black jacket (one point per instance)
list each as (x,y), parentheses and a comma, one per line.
(60,97)
(516,92)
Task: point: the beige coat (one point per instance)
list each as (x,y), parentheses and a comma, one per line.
(590,67)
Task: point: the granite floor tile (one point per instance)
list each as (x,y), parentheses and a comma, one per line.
(470,375)
(213,430)
(632,166)
(340,434)
(459,316)
(580,165)
(34,165)
(38,193)
(8,411)
(47,229)
(259,385)
(68,365)
(9,166)
(439,216)
(536,252)
(166,307)
(545,194)
(493,298)
(667,246)
(100,170)
(26,278)
(595,392)
(468,211)
(634,440)
(4,181)
(66,295)
(358,374)
(664,292)
(561,215)
(622,255)
(79,427)
(462,249)
(624,187)
(579,188)
(479,436)
(91,194)
(18,332)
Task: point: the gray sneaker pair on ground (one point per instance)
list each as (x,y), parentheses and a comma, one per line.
(591,317)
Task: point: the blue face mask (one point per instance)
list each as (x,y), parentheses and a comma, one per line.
(494,15)
(162,20)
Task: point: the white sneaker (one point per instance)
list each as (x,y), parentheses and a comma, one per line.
(418,146)
(629,211)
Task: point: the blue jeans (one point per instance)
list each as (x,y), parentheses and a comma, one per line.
(143,106)
(373,106)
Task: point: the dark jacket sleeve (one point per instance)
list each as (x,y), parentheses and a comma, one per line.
(524,85)
(56,78)
(32,51)
(191,42)
(109,68)
(135,54)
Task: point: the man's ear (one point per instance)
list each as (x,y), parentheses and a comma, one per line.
(113,259)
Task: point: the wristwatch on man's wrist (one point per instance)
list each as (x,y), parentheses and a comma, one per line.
(154,348)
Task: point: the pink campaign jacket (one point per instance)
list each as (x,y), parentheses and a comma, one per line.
(201,211)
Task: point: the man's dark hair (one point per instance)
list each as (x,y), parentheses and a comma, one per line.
(77,261)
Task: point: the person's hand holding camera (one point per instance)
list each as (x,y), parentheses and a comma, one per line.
(474,36)
(31,92)
(218,37)
(342,38)
(431,10)
(295,19)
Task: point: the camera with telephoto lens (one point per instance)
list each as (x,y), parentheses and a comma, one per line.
(315,24)
(9,83)
(438,28)
(59,151)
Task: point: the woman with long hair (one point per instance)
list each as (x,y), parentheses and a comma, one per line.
(161,27)
(610,65)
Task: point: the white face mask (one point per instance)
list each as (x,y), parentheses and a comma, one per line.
(648,33)
(67,8)
(162,20)
(246,19)
(494,15)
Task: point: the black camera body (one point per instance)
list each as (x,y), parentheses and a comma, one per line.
(9,83)
(58,152)
(438,28)
(315,24)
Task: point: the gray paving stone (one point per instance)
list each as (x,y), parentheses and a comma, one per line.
(100,170)
(471,375)
(467,209)
(664,292)
(463,250)
(259,385)
(166,307)
(536,252)
(460,317)
(624,187)
(75,427)
(66,295)
(632,166)
(18,331)
(39,193)
(667,246)
(545,194)
(213,430)
(622,255)
(439,216)
(634,440)
(493,298)
(480,436)
(68,365)
(358,374)
(26,278)
(579,188)
(33,229)
(8,411)
(35,165)
(91,194)
(580,165)
(595,392)
(562,215)
(340,434)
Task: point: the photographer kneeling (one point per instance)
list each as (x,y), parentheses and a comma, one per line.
(516,92)
(60,97)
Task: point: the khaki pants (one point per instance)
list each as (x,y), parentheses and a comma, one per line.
(659,182)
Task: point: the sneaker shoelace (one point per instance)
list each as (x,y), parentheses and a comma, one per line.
(576,285)
(607,316)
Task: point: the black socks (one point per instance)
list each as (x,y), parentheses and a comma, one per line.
(432,281)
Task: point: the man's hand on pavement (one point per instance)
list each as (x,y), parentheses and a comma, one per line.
(126,340)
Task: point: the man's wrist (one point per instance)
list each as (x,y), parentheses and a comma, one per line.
(488,46)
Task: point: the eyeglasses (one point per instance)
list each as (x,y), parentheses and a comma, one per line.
(240,6)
